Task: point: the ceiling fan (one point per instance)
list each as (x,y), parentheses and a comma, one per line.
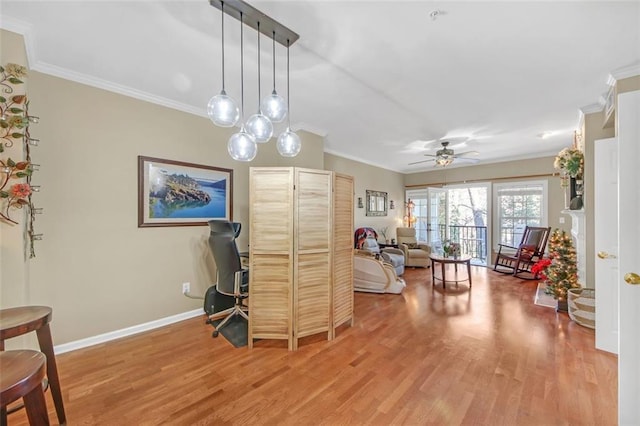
(445,156)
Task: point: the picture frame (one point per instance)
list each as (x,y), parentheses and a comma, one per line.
(376,203)
(175,193)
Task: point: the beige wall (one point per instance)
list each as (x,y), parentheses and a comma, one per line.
(95,267)
(375,179)
(628,84)
(532,169)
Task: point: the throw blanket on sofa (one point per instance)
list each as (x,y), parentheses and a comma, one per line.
(362,234)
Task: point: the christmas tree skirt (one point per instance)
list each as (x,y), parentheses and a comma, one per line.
(543,299)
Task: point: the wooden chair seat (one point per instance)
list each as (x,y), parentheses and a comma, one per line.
(522,258)
(22,375)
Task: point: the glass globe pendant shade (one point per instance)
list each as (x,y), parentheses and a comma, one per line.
(288,144)
(260,127)
(242,146)
(274,107)
(223,110)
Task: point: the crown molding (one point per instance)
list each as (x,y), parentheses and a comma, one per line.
(15,25)
(358,159)
(624,72)
(88,80)
(26,31)
(592,108)
(580,124)
(310,128)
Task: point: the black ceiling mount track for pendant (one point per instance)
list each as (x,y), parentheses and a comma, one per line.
(251,16)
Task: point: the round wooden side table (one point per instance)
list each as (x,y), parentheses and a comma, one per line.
(24,319)
(460,260)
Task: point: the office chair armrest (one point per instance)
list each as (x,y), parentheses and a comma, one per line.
(241,281)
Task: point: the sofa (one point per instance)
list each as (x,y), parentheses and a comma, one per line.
(373,275)
(415,253)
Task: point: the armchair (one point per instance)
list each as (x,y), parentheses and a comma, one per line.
(366,240)
(372,275)
(529,251)
(232,280)
(415,253)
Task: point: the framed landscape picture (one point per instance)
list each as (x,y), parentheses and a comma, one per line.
(174,193)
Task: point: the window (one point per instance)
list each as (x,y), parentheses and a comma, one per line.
(518,204)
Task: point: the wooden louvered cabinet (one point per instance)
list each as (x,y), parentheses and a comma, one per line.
(291,258)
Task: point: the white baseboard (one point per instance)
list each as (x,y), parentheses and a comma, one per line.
(113,335)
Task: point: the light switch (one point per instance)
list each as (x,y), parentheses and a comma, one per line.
(561,220)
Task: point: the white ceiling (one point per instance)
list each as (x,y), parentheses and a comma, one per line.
(377,79)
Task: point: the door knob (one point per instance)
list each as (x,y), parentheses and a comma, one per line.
(605,255)
(632,278)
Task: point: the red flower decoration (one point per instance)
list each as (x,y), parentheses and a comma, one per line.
(21,190)
(541,266)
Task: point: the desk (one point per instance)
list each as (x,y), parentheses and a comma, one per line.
(18,321)
(443,261)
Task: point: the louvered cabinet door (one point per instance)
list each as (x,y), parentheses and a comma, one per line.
(342,286)
(312,254)
(271,254)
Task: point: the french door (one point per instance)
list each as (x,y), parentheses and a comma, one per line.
(458,213)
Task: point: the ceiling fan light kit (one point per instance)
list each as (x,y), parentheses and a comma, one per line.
(223,110)
(446,155)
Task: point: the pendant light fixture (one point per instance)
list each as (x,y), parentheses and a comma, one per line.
(289,144)
(222,109)
(259,124)
(242,146)
(273,106)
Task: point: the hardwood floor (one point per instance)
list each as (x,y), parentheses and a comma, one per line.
(485,357)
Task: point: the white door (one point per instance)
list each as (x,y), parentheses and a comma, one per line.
(628,125)
(605,215)
(437,213)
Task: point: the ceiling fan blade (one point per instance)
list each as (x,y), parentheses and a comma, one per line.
(467,153)
(418,162)
(430,155)
(468,159)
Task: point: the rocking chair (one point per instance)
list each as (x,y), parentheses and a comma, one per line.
(529,251)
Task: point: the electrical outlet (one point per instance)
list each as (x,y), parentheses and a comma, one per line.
(186,287)
(561,220)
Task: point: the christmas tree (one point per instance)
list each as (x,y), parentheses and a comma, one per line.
(562,273)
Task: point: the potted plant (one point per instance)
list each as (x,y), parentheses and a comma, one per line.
(560,270)
(450,249)
(446,248)
(570,162)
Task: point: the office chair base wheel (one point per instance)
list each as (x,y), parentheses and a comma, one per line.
(215,333)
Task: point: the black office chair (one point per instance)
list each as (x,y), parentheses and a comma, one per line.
(232,279)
